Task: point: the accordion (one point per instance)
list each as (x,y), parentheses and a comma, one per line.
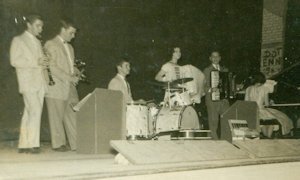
(225,84)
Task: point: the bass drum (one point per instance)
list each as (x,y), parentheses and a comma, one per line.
(177,118)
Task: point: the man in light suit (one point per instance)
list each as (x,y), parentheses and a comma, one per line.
(119,82)
(214,108)
(61,95)
(27,57)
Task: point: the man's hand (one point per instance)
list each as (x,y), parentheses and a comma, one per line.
(43,61)
(74,80)
(141,101)
(76,71)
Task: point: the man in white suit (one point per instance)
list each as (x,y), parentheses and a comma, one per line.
(61,95)
(120,83)
(27,57)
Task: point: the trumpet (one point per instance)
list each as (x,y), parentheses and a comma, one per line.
(80,65)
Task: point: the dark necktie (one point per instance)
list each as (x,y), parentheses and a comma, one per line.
(128,87)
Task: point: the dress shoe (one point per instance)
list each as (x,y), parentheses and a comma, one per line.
(62,148)
(23,150)
(34,150)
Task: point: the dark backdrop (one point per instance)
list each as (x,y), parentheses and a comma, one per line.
(144,31)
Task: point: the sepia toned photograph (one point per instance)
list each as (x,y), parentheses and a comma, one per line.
(149,89)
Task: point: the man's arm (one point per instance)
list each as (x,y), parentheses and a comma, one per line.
(17,55)
(114,85)
(56,70)
(160,75)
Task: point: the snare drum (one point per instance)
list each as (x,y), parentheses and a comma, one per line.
(178,118)
(137,121)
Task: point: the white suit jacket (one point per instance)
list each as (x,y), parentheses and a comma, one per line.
(25,52)
(117,83)
(60,67)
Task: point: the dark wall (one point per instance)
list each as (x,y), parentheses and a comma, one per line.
(144,31)
(292,33)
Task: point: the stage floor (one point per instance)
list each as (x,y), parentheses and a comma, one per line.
(70,165)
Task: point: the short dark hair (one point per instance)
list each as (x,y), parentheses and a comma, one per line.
(121,62)
(172,49)
(259,77)
(31,18)
(66,23)
(215,51)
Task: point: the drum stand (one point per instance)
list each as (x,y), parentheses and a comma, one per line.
(169,93)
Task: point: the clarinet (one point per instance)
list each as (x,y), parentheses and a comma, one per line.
(51,81)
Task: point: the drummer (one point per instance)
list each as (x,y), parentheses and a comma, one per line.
(171,70)
(120,83)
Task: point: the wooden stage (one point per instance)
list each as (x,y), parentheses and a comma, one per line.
(70,165)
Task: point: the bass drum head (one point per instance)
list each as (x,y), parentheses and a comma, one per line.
(175,119)
(167,120)
(189,118)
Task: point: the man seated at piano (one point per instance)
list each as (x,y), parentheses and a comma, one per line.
(120,83)
(259,92)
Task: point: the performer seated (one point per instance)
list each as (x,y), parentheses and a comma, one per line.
(259,92)
(120,83)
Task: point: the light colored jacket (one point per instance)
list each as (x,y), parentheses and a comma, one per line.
(117,83)
(60,67)
(25,52)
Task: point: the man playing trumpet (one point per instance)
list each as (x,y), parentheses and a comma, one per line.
(63,93)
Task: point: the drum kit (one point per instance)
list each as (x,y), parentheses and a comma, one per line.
(175,115)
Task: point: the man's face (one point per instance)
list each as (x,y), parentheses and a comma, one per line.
(36,27)
(68,33)
(124,69)
(215,57)
(176,53)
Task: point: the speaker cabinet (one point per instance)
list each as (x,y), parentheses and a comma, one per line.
(101,118)
(242,110)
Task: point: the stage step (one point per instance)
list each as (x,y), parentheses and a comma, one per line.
(150,152)
(266,148)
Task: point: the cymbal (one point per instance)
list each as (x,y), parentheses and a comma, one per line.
(175,88)
(164,85)
(182,80)
(156,83)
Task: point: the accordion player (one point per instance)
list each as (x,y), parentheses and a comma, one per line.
(224,82)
